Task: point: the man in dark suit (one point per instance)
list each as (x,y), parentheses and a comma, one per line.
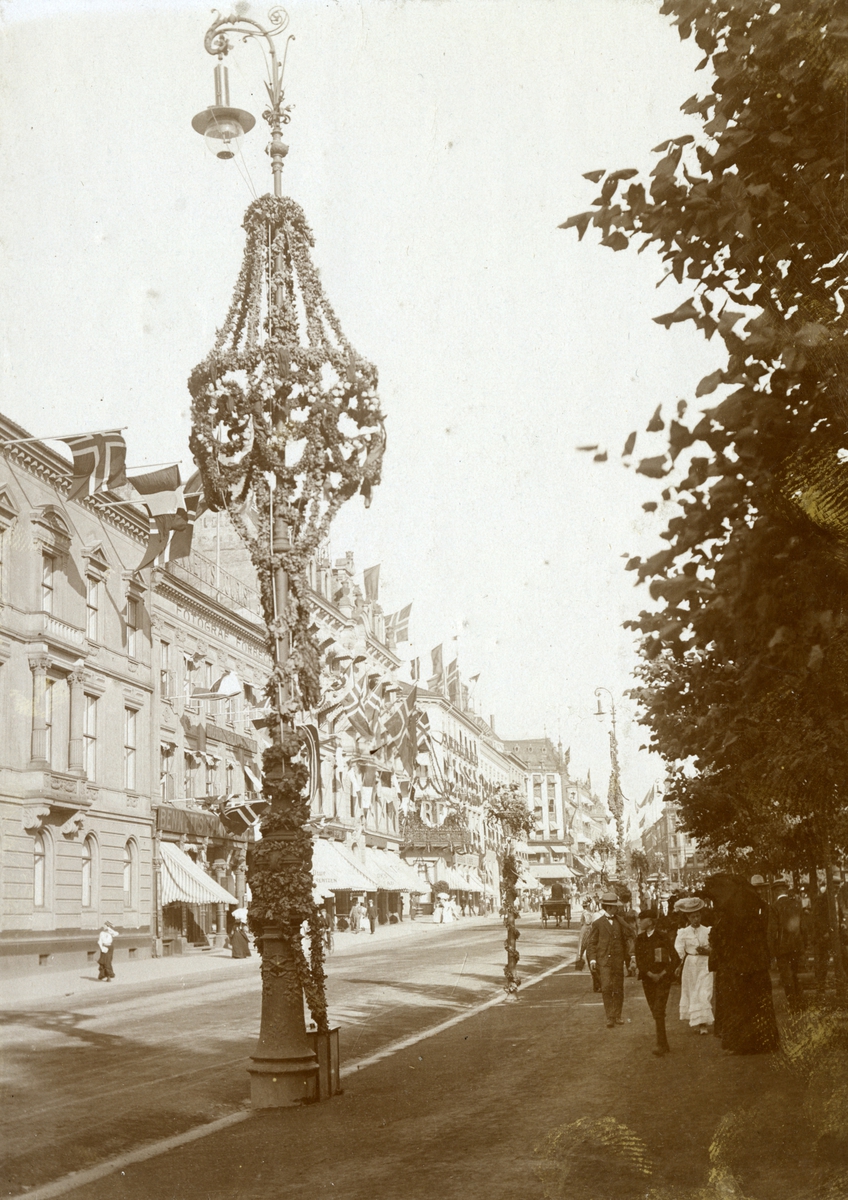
(656,960)
(608,947)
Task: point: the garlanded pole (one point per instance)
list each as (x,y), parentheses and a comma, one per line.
(286,426)
(615,798)
(507,809)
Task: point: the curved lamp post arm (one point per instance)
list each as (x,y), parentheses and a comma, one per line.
(217,42)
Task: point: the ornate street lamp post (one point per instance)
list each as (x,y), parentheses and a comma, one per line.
(615,798)
(286,426)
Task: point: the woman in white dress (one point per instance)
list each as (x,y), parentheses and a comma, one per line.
(696,985)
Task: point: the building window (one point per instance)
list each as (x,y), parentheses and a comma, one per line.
(92,608)
(189,767)
(89,736)
(48,572)
(88,872)
(133,626)
(130,747)
(166,773)
(231,776)
(166,681)
(129,874)
(211,777)
(39,871)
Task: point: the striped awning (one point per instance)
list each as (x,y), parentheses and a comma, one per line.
(475,883)
(335,870)
(184,882)
(377,867)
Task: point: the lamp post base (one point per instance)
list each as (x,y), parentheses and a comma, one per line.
(284,1070)
(283,1082)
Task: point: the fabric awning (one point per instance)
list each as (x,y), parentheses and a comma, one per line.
(376,866)
(551,871)
(475,882)
(183,881)
(333,870)
(413,882)
(559,849)
(528,884)
(392,866)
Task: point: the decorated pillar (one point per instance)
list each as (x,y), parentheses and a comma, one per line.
(76,682)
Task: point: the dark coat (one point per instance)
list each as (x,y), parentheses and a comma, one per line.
(656,954)
(610,943)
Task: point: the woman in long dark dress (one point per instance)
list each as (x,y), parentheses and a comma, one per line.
(739,956)
(239,943)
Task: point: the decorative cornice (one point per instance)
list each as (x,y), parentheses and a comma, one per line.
(37,459)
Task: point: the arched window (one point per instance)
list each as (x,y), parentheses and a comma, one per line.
(130,873)
(88,861)
(39,871)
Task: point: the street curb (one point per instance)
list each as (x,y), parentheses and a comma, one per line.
(68,1183)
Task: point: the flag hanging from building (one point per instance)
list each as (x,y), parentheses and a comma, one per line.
(401,729)
(397,624)
(224,688)
(453,679)
(371,579)
(179,545)
(313,761)
(437,657)
(240,813)
(160,491)
(162,531)
(415,670)
(99,462)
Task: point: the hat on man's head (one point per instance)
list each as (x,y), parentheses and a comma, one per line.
(689,904)
(609,898)
(647,915)
(757,881)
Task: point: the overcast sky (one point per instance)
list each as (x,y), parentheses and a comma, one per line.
(436,145)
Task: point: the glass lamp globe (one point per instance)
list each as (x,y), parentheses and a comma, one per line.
(223,129)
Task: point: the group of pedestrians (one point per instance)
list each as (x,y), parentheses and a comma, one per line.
(361,915)
(723,968)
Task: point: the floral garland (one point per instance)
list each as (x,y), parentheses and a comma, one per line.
(508,811)
(284,411)
(284,898)
(286,426)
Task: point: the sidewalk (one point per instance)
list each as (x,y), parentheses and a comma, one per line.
(476,1111)
(186,970)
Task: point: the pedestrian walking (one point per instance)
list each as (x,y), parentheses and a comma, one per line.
(692,946)
(239,945)
(786,941)
(739,957)
(105,940)
(608,947)
(356,915)
(371,913)
(657,962)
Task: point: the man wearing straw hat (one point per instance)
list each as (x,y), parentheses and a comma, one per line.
(609,946)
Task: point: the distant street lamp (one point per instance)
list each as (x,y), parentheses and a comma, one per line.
(286,426)
(615,797)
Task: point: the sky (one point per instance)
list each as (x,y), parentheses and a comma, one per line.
(436,146)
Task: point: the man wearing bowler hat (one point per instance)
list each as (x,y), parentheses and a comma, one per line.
(609,946)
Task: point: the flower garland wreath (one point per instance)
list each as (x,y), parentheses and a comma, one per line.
(286,426)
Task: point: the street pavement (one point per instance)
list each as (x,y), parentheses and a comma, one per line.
(531,1100)
(93,1070)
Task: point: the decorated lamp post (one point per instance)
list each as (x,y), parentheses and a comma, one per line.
(286,426)
(615,798)
(507,809)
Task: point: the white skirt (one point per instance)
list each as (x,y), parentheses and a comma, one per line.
(696,991)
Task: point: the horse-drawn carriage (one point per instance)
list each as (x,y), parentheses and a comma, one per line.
(556,910)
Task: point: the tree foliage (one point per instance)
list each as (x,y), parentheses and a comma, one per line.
(743,655)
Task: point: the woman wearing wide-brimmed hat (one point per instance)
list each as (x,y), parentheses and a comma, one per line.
(693,948)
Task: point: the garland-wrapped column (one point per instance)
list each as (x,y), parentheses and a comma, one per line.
(286,426)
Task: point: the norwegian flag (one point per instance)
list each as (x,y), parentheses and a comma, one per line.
(171,532)
(99,462)
(397,624)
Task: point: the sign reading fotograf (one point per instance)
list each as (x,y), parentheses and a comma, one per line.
(201,621)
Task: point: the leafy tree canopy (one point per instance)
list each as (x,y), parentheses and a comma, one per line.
(744,654)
